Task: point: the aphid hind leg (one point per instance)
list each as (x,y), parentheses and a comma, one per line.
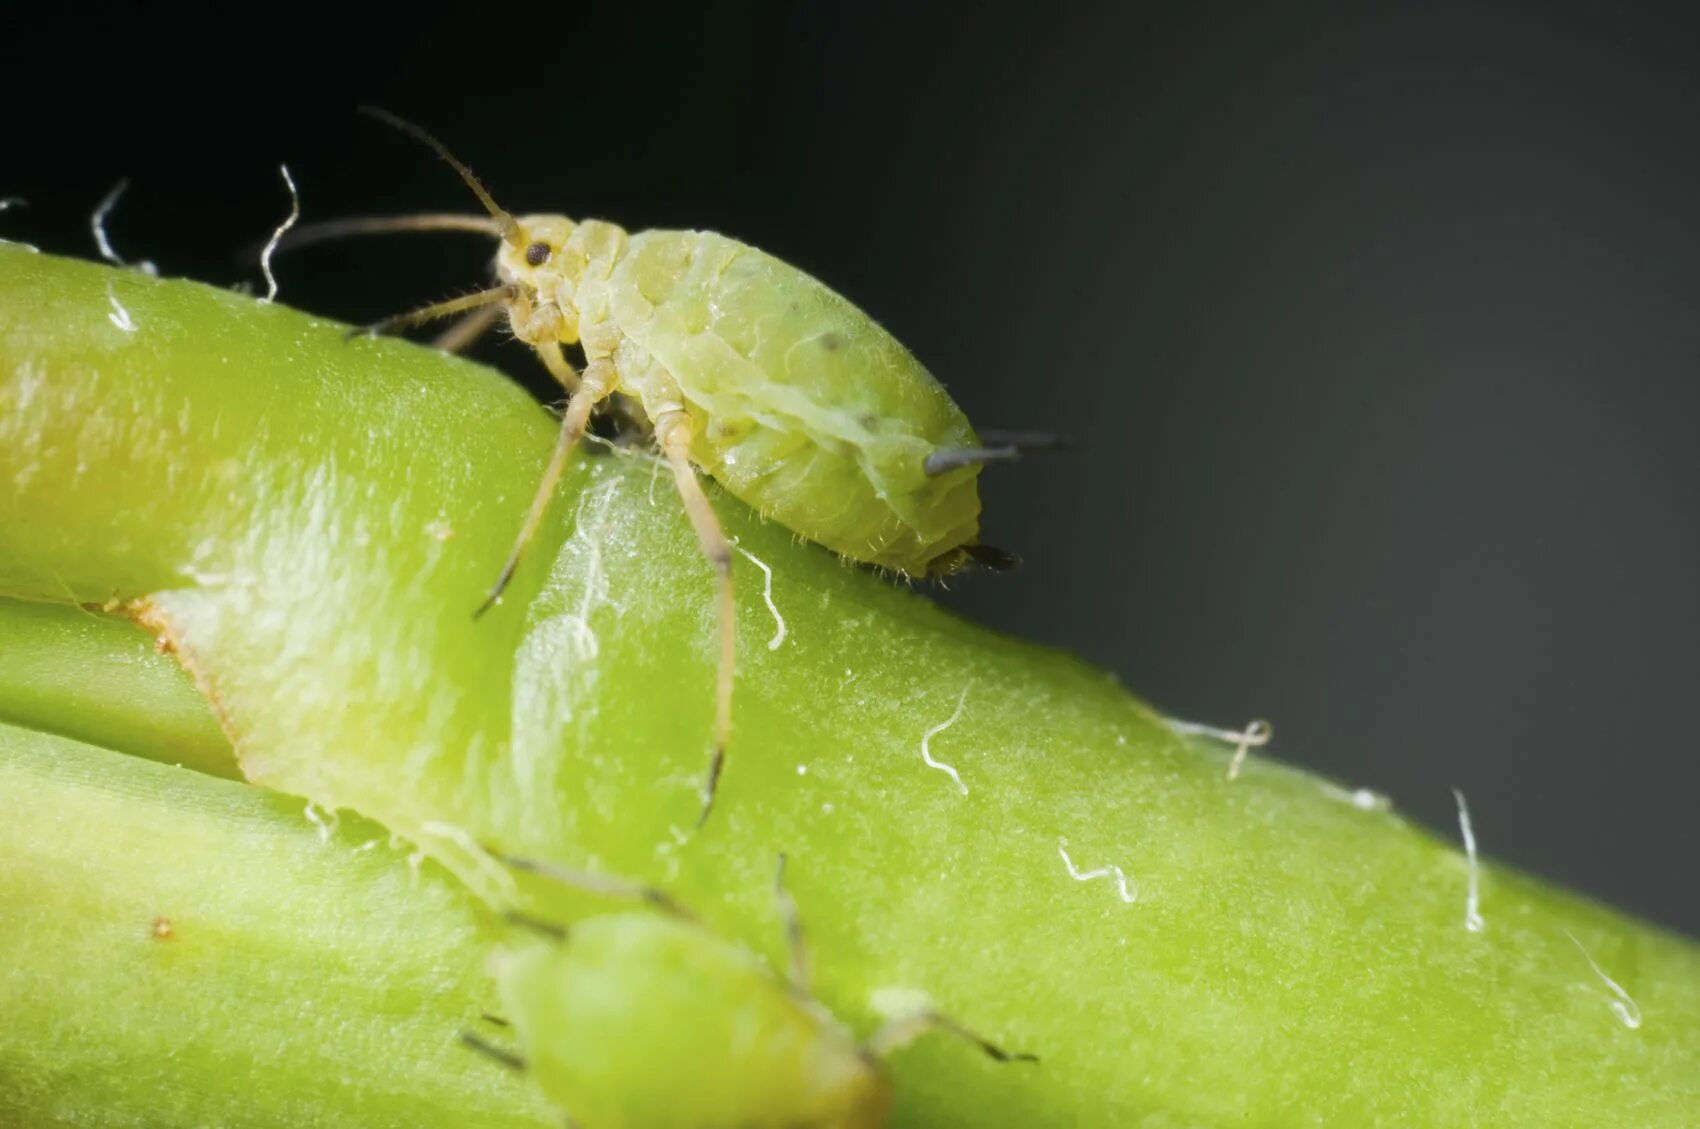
(597,382)
(899,1033)
(674,432)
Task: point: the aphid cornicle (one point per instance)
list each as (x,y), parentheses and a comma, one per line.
(746,368)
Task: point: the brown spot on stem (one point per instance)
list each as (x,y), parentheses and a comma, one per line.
(162,929)
(150,617)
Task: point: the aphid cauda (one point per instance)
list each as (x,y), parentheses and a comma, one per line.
(636,1020)
(745,368)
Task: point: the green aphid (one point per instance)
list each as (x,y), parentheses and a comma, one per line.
(635,1021)
(743,367)
(641,1020)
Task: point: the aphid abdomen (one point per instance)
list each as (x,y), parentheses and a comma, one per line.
(636,1021)
(806,409)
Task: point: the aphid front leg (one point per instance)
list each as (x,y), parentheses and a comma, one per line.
(601,885)
(468,329)
(674,431)
(495,296)
(595,385)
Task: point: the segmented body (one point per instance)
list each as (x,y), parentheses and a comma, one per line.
(803,406)
(635,1021)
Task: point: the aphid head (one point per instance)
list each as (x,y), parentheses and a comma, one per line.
(543,266)
(534,257)
(542,256)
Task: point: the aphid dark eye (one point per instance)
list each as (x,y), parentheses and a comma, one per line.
(538,253)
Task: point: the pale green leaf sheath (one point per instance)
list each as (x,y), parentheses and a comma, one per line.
(177,950)
(310,523)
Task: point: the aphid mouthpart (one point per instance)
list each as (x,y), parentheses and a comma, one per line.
(508,229)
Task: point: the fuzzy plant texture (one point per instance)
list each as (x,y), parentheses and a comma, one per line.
(259,761)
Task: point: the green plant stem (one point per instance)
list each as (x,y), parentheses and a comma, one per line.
(182,950)
(68,670)
(311,522)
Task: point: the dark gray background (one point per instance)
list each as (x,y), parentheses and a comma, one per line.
(1378,330)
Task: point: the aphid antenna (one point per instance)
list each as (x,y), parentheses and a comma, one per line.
(507,228)
(490,1050)
(326,231)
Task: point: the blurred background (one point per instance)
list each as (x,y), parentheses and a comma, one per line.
(1379,331)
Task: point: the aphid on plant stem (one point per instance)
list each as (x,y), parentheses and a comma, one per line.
(747,369)
(637,1020)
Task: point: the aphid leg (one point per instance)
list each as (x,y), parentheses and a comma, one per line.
(490,1050)
(674,432)
(497,295)
(602,885)
(795,940)
(594,386)
(468,329)
(899,1033)
(544,928)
